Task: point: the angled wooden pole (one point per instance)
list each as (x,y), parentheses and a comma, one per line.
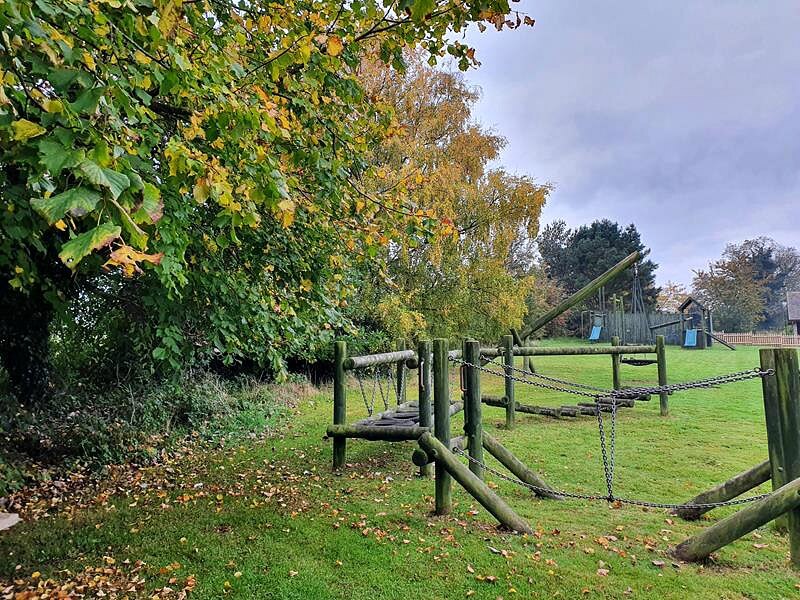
(441,421)
(339,403)
(730,529)
(661,361)
(473,426)
(518,468)
(508,362)
(474,485)
(735,486)
(425,392)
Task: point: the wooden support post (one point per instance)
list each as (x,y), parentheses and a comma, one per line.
(473,426)
(424,369)
(518,468)
(474,485)
(615,375)
(402,373)
(339,403)
(661,359)
(441,421)
(722,533)
(508,362)
(735,486)
(782,413)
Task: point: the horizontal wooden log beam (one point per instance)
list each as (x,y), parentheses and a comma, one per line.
(391,433)
(735,486)
(547,411)
(730,529)
(385,358)
(571,350)
(473,485)
(421,458)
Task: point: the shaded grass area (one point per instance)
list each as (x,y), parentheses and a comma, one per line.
(267,519)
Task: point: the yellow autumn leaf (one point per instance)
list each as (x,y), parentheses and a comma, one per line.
(88,60)
(305,285)
(25,130)
(141,58)
(53,106)
(286,213)
(60,225)
(335,45)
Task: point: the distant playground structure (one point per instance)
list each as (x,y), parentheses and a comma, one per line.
(385,376)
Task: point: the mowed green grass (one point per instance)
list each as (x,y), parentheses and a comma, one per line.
(270,520)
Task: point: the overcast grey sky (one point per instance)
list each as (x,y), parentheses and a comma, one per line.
(681,117)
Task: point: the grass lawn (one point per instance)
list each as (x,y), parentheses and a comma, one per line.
(267,519)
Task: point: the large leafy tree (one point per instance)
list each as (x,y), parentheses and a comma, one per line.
(218,146)
(463,283)
(575,257)
(747,286)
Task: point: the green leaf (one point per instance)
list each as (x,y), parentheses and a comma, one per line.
(108,178)
(81,246)
(422,8)
(152,208)
(77,201)
(56,157)
(25,130)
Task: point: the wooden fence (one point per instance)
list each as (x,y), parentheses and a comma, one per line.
(761,339)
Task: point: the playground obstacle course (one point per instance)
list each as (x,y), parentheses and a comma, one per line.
(781,390)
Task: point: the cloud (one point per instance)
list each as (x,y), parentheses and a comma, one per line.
(683,119)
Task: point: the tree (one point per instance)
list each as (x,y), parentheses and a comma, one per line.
(463,283)
(670,296)
(747,286)
(216,149)
(574,258)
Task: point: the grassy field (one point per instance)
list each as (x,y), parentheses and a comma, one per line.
(267,519)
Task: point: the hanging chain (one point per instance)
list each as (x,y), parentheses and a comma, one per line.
(597,497)
(608,445)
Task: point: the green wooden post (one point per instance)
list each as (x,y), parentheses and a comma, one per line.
(402,374)
(508,361)
(782,413)
(339,402)
(473,427)
(424,369)
(615,374)
(441,421)
(661,358)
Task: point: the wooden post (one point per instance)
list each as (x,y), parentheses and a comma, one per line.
(339,403)
(615,375)
(474,485)
(402,373)
(473,427)
(508,362)
(441,421)
(782,413)
(722,533)
(424,369)
(661,358)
